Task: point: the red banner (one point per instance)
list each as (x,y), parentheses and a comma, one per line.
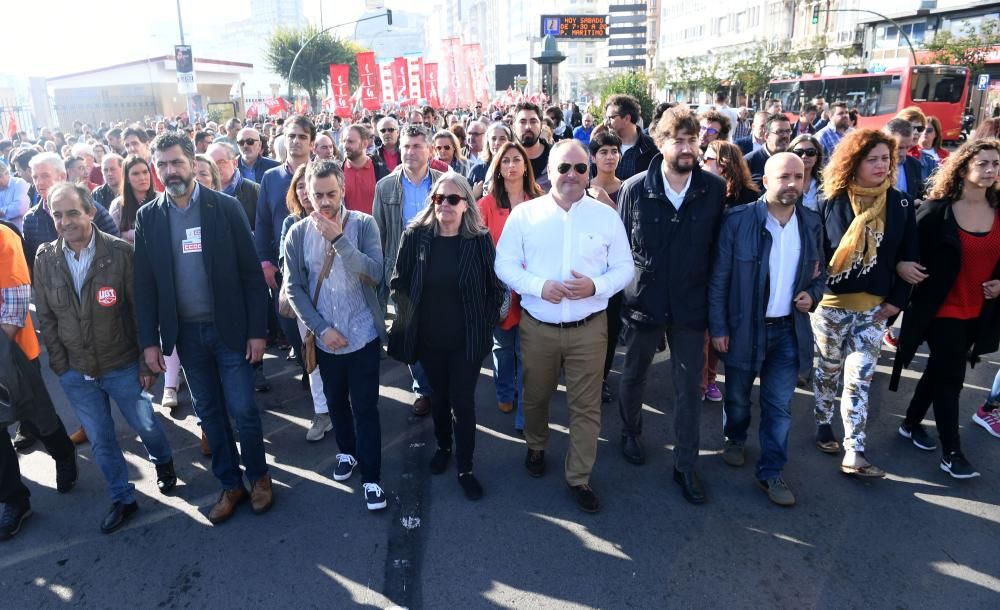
(479,89)
(340,90)
(371,83)
(431,90)
(453,63)
(421,91)
(400,79)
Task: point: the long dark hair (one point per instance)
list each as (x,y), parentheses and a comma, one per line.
(498,189)
(131,201)
(817,170)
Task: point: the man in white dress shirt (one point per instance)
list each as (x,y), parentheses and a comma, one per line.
(565,253)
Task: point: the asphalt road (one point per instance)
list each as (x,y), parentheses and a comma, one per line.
(917,539)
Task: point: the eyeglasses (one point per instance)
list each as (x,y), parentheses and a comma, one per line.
(387,130)
(453,200)
(805,152)
(712,131)
(782,132)
(247,142)
(476,133)
(581,168)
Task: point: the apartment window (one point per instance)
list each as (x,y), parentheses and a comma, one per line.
(588,59)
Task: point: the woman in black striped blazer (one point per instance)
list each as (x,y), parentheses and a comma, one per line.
(448,301)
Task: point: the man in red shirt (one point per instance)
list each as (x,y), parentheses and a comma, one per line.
(360,171)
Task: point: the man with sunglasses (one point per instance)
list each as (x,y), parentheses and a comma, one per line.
(777,135)
(672,213)
(387,154)
(252,164)
(566,254)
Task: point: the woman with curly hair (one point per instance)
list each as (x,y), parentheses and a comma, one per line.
(513,183)
(725,159)
(870,239)
(955,309)
(299,206)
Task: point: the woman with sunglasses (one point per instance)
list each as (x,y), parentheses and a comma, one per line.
(513,183)
(299,206)
(497,134)
(448,300)
(954,310)
(447,151)
(930,140)
(725,159)
(808,148)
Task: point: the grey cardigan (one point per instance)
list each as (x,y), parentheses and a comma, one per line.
(365,260)
(388,212)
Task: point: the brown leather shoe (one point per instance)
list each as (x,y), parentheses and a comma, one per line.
(505,407)
(261,496)
(229,499)
(422,406)
(205,450)
(79,437)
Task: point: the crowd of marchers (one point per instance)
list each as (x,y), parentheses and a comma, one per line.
(785,249)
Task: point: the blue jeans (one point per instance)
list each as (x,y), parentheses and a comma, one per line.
(778,376)
(221,383)
(507,375)
(995,391)
(90,400)
(350,383)
(421,385)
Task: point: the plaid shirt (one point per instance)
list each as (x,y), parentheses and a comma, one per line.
(14,309)
(829,138)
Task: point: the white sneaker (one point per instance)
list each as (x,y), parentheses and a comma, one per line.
(345,467)
(374,496)
(321,424)
(169,398)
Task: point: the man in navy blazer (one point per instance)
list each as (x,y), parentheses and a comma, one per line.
(199,288)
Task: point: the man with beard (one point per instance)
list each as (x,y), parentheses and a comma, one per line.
(840,123)
(199,287)
(759,314)
(361,172)
(388,153)
(671,213)
(777,135)
(527,130)
(714,126)
(252,163)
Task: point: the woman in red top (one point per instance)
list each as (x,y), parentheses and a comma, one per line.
(513,182)
(954,309)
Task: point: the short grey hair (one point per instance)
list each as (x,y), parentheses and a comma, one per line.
(113,157)
(386,120)
(61,188)
(82,149)
(472,223)
(225,148)
(48,158)
(324,168)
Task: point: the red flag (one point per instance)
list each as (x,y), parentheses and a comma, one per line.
(421,89)
(273,106)
(431,83)
(371,83)
(400,79)
(340,89)
(11,127)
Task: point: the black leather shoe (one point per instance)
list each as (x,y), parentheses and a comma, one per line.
(470,486)
(22,441)
(439,463)
(260,382)
(586,499)
(535,462)
(166,478)
(690,486)
(632,450)
(66,474)
(117,516)
(605,393)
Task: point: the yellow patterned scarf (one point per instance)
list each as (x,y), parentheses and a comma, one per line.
(859,245)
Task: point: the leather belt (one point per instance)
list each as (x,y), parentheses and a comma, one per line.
(782,320)
(576,324)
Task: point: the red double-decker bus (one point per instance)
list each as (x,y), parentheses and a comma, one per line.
(939,91)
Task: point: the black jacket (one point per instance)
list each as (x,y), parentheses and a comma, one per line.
(745,144)
(899,243)
(480,290)
(247,194)
(756,160)
(638,158)
(914,179)
(672,250)
(378,160)
(941,254)
(239,293)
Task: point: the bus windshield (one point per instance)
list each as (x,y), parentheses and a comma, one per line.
(937,85)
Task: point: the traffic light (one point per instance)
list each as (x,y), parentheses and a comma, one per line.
(388,15)
(815,18)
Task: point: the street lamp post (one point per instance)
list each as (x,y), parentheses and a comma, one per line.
(387,14)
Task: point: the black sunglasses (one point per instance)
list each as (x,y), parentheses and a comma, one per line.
(387,130)
(581,168)
(247,142)
(805,152)
(453,200)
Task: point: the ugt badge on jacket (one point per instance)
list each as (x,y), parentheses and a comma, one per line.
(107,296)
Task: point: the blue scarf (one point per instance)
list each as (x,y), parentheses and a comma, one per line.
(235,182)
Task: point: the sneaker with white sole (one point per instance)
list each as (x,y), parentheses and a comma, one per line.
(321,424)
(713,393)
(169,398)
(988,417)
(374,496)
(957,466)
(345,467)
(918,436)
